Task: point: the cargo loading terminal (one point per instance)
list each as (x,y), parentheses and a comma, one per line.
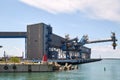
(40,40)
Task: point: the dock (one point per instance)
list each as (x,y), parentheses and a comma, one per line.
(75,61)
(25,68)
(38,67)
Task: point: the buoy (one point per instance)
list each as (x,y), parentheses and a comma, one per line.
(104,69)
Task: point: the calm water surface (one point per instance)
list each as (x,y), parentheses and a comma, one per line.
(89,71)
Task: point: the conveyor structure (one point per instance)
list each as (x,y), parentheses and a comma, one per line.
(40,40)
(74,45)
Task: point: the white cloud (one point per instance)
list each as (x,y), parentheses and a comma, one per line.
(105,52)
(97,9)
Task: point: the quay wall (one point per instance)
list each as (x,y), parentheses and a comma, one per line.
(26,68)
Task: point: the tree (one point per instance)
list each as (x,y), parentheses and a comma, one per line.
(15,59)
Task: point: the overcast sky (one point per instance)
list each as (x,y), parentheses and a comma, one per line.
(96,18)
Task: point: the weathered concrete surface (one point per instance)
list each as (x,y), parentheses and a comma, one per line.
(26,68)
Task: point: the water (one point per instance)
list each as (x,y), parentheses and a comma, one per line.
(89,71)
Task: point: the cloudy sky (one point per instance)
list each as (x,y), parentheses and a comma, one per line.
(97,18)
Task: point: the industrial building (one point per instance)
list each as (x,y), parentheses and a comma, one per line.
(40,40)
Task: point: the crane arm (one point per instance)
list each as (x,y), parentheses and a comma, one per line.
(99,41)
(113,39)
(84,40)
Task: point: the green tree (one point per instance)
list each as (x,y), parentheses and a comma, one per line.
(15,59)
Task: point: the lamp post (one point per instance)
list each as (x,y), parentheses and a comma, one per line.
(1,46)
(5,56)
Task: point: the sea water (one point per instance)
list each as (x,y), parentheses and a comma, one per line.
(101,70)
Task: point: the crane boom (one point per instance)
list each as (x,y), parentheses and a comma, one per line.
(75,45)
(99,41)
(113,38)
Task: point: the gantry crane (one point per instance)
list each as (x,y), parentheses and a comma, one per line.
(75,45)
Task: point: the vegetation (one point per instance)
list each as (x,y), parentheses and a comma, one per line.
(15,59)
(11,60)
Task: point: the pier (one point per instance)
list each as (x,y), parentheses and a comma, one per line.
(36,67)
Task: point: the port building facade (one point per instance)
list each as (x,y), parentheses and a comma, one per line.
(40,40)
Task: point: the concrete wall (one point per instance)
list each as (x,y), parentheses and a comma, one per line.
(35,43)
(38,38)
(26,68)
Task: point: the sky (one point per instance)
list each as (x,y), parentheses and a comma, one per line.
(95,18)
